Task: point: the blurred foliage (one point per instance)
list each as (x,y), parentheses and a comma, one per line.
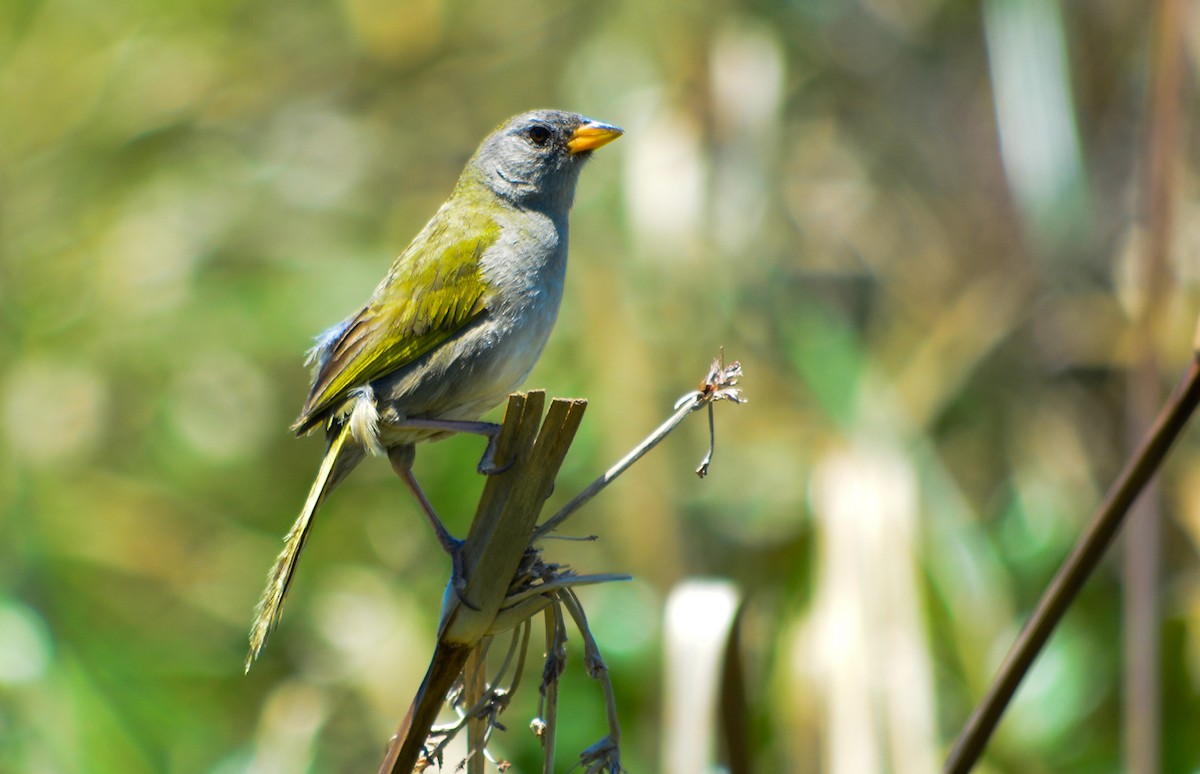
(856,199)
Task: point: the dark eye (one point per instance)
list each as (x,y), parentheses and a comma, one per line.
(538,134)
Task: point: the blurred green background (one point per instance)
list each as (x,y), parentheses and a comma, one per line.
(918,224)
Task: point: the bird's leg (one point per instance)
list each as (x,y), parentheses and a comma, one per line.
(402,459)
(448,542)
(487,464)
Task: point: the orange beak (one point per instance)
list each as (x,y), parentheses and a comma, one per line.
(593,135)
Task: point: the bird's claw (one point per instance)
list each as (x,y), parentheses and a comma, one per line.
(458,575)
(490,468)
(487,463)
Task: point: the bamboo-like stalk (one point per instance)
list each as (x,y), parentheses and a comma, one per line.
(499,535)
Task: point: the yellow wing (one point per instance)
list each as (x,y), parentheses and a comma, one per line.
(434,289)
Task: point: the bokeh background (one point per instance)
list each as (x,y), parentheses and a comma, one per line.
(922,226)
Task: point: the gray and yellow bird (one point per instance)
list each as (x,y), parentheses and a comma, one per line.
(455,326)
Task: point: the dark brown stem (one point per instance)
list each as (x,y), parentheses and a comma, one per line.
(1075,571)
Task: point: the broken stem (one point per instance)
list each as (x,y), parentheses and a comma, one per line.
(593,489)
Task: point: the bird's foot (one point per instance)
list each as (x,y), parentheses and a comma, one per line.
(487,463)
(458,570)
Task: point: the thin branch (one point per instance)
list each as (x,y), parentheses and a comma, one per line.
(562,582)
(604,755)
(702,470)
(720,384)
(545,725)
(522,650)
(609,475)
(1075,570)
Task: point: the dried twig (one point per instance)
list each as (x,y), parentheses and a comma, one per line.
(720,384)
(604,755)
(1076,569)
(545,725)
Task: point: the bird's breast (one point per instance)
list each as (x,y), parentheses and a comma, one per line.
(475,371)
(525,271)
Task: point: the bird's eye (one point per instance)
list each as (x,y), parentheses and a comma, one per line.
(538,134)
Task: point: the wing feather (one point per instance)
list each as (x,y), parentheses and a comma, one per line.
(434,289)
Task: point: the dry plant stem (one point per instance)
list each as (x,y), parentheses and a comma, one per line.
(444,669)
(460,697)
(567,582)
(607,751)
(639,451)
(720,384)
(597,667)
(474,687)
(530,451)
(556,636)
(474,698)
(504,522)
(702,471)
(527,458)
(1075,571)
(521,643)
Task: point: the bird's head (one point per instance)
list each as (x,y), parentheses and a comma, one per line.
(533,159)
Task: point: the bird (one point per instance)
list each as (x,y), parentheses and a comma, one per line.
(454,327)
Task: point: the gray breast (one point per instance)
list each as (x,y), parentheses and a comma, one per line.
(476,370)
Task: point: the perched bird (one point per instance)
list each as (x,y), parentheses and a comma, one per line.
(455,326)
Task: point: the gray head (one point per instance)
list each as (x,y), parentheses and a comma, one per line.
(534,159)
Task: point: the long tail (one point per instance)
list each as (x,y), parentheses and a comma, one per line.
(334,467)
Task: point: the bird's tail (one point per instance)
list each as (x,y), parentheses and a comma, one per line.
(339,460)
